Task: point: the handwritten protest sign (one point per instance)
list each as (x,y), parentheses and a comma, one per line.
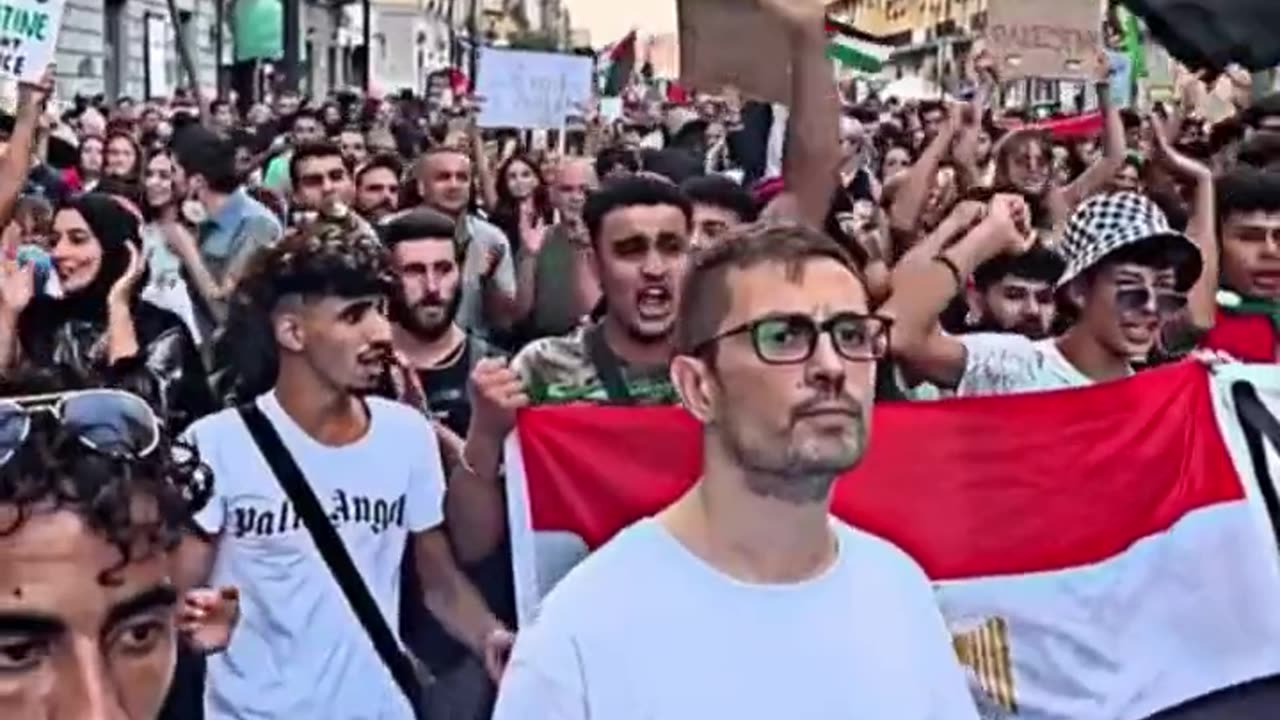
(531,90)
(733,43)
(28,36)
(1044,38)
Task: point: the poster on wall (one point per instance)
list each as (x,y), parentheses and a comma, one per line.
(156,30)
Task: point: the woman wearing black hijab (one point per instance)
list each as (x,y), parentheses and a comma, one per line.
(101,332)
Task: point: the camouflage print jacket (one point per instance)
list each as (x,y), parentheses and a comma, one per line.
(559,370)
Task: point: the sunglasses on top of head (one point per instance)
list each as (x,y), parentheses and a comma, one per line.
(113,423)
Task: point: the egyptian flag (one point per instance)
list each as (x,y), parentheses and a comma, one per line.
(856,49)
(1101,553)
(619,64)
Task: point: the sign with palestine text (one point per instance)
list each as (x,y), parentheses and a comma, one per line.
(1044,38)
(28,37)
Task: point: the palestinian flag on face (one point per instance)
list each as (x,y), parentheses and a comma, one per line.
(855,49)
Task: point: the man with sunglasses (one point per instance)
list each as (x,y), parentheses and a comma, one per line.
(93,498)
(781,610)
(1127,275)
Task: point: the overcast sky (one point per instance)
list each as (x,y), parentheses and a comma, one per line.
(609,20)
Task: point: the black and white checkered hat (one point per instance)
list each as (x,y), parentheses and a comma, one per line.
(1106,223)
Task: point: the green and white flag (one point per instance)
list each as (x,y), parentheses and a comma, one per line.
(855,49)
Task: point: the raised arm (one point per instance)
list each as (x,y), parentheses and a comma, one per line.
(1104,169)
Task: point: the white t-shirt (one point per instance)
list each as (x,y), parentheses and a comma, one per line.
(1006,364)
(298,650)
(645,630)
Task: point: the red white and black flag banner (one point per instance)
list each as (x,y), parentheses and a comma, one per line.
(1099,553)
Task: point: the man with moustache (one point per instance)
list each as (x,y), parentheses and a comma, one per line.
(425,332)
(375,468)
(378,188)
(781,610)
(441,355)
(1015,294)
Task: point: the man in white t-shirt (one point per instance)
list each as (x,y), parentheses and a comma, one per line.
(1128,277)
(374,465)
(745,599)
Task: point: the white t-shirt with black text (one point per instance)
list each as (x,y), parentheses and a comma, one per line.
(298,650)
(643,629)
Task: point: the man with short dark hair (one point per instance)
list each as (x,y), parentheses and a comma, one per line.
(1015,293)
(441,356)
(639,228)
(815,617)
(1248,319)
(378,187)
(320,179)
(93,499)
(719,206)
(235,225)
(304,127)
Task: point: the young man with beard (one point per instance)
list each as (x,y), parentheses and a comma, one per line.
(1128,274)
(378,188)
(778,609)
(374,466)
(442,356)
(1015,294)
(424,332)
(93,499)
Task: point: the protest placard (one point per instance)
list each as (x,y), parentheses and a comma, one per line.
(733,43)
(1044,38)
(28,37)
(531,90)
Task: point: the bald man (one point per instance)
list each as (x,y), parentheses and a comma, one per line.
(560,305)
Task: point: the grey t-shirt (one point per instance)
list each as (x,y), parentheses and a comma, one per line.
(479,235)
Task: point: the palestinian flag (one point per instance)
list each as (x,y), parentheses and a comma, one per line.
(855,49)
(1107,552)
(618,64)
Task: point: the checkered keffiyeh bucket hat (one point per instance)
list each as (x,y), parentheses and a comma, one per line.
(1107,223)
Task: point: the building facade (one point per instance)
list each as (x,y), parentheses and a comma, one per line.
(121,48)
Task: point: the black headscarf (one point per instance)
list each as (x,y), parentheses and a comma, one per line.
(116,228)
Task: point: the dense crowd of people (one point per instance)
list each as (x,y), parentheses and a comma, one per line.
(382,285)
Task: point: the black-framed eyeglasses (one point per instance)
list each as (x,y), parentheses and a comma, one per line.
(110,422)
(790,339)
(1131,300)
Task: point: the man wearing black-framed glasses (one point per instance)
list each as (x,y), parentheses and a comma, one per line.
(776,352)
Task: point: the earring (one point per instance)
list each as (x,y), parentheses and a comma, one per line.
(971,318)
